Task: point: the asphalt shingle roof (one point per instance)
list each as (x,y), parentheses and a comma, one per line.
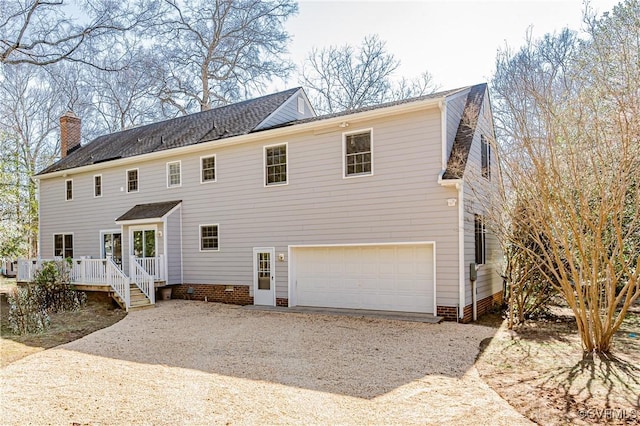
(149,211)
(464,136)
(218,123)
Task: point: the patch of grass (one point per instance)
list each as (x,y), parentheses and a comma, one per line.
(65,327)
(553,383)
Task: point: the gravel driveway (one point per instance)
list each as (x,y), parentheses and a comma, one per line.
(188,362)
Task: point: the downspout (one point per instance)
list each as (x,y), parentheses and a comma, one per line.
(461,260)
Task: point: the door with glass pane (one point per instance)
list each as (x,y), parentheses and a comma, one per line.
(112,247)
(144,243)
(264,289)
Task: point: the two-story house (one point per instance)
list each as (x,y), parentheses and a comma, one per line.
(263,202)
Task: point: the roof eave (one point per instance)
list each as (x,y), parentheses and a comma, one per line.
(259,135)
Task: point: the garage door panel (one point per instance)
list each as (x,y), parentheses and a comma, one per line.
(385,277)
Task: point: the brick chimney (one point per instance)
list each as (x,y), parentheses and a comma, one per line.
(69,133)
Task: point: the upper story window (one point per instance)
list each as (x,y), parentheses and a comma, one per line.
(208,169)
(480,239)
(63,245)
(97,186)
(358,152)
(275,164)
(68,189)
(485,155)
(209,240)
(174,177)
(132,180)
(300,105)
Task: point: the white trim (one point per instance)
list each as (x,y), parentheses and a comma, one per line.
(181,252)
(153,227)
(217,225)
(344,152)
(291,286)
(215,168)
(272,267)
(264,164)
(126,180)
(165,249)
(444,130)
(461,247)
(327,123)
(101,186)
(66,181)
(102,233)
(301,105)
(168,167)
(53,237)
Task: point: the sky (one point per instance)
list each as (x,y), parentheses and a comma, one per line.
(456,41)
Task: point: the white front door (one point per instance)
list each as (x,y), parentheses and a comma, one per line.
(264,276)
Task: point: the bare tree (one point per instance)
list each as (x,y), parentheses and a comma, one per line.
(221,50)
(29,111)
(41,32)
(346,78)
(571,157)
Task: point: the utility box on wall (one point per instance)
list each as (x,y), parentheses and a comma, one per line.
(473,272)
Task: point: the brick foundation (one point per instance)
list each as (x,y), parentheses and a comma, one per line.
(282,302)
(230,294)
(450,313)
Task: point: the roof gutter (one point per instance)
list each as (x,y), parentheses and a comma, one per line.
(252,137)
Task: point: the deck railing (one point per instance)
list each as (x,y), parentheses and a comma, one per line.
(142,279)
(89,271)
(118,281)
(97,272)
(154,266)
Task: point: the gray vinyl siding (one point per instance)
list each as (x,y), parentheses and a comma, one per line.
(288,112)
(173,234)
(489,281)
(401,202)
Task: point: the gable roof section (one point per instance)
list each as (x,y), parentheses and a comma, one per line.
(459,155)
(223,122)
(148,211)
(435,95)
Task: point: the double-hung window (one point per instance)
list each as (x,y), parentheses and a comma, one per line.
(208,169)
(63,245)
(68,189)
(97,186)
(275,164)
(358,160)
(209,238)
(480,240)
(132,180)
(174,177)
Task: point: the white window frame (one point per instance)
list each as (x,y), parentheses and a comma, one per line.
(179,184)
(485,156)
(480,237)
(200,237)
(344,153)
(94,186)
(126,180)
(264,164)
(215,168)
(300,105)
(63,246)
(66,191)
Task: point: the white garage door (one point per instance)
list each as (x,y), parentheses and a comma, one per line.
(385,277)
